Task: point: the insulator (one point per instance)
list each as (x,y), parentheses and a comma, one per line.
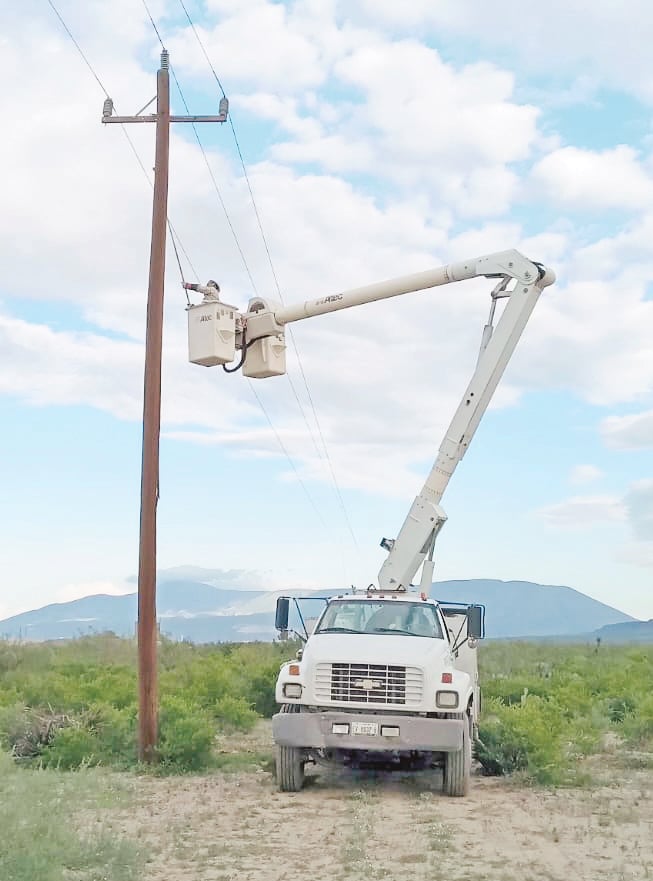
(224,107)
(107,110)
(165,60)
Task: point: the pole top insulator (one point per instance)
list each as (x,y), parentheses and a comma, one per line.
(165,59)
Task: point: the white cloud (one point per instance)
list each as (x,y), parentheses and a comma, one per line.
(83,589)
(632,432)
(638,553)
(592,337)
(256,43)
(634,509)
(590,180)
(325,232)
(639,504)
(614,49)
(585,474)
(392,124)
(581,512)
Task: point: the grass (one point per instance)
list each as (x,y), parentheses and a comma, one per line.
(75,704)
(244,761)
(546,707)
(39,839)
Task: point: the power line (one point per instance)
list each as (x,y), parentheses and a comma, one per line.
(206,159)
(235,236)
(286,453)
(78,47)
(215,185)
(153,23)
(173,232)
(325,453)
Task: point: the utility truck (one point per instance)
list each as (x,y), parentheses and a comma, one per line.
(386,673)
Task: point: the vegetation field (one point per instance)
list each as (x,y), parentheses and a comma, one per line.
(564,773)
(545,706)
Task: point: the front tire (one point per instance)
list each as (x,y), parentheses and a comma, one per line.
(458,765)
(290,761)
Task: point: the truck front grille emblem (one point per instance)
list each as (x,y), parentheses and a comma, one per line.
(368,683)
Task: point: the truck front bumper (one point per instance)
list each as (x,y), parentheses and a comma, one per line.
(315,730)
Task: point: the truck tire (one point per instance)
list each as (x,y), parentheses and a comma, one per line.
(290,762)
(458,765)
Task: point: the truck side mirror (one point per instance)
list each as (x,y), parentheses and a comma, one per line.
(476,622)
(281,618)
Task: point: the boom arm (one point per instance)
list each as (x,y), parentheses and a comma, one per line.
(414,544)
(259,333)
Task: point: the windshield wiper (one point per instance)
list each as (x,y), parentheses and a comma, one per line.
(395,630)
(337,630)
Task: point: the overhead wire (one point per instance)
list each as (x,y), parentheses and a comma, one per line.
(325,451)
(176,240)
(205,157)
(282,446)
(174,235)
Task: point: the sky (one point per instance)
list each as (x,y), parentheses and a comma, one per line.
(378,139)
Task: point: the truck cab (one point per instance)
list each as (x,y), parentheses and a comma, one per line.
(384,677)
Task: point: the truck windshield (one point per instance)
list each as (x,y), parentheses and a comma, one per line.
(362,616)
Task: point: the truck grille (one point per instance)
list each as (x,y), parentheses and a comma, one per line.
(368,684)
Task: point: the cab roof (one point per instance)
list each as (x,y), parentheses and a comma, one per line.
(394,596)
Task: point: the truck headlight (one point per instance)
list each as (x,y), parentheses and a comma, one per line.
(446,699)
(292,689)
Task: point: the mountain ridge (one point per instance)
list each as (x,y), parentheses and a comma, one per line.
(201,611)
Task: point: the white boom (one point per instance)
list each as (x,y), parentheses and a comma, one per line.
(259,333)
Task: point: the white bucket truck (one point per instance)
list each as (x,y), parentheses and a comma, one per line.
(387,672)
(386,676)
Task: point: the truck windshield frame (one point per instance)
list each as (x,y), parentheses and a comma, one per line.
(387,617)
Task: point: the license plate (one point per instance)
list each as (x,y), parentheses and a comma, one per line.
(364,728)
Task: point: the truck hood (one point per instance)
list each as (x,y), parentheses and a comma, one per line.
(386,648)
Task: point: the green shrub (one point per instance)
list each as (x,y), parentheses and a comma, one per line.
(524,737)
(186,736)
(72,747)
(637,726)
(235,712)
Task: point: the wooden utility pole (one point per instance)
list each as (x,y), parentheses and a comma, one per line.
(147,622)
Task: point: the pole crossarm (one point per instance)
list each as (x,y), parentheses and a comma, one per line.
(108,115)
(151,117)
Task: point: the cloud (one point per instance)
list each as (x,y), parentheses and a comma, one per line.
(639,505)
(592,337)
(632,432)
(356,104)
(637,553)
(581,512)
(614,50)
(591,180)
(256,42)
(634,509)
(398,88)
(90,588)
(584,474)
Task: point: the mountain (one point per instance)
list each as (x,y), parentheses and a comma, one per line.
(627,631)
(203,605)
(521,608)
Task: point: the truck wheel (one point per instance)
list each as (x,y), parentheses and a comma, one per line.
(290,762)
(458,765)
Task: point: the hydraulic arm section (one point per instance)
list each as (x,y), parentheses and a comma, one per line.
(216,330)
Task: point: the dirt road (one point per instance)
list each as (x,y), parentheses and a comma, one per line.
(228,826)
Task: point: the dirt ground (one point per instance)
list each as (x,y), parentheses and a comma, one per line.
(231,825)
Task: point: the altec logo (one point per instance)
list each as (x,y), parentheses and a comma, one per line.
(206,317)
